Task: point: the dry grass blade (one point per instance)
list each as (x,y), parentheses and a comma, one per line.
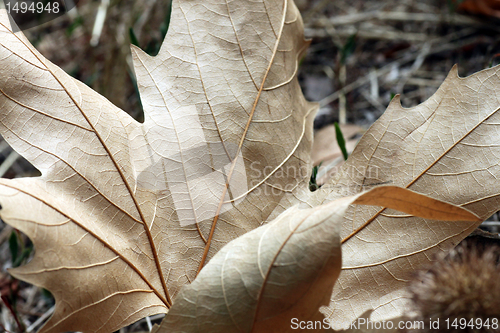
(415,204)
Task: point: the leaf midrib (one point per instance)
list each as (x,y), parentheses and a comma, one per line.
(166,300)
(245,131)
(371,219)
(154,290)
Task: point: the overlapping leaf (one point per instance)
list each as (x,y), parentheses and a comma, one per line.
(274,278)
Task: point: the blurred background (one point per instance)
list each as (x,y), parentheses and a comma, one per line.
(363,52)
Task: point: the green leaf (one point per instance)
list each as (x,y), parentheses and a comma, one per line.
(313,185)
(13,246)
(133,37)
(341,141)
(348,48)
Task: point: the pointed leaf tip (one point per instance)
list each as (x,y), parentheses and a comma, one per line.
(454,72)
(395,101)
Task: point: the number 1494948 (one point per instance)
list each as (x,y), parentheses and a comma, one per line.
(477,323)
(24,7)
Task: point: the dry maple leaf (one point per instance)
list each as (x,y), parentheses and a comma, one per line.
(125,213)
(446,148)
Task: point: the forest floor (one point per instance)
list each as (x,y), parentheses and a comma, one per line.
(362,54)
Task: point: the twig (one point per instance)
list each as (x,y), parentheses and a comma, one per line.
(9,161)
(424,82)
(373,101)
(491,223)
(441,44)
(99,22)
(455,19)
(144,18)
(424,51)
(342,99)
(378,33)
(148,322)
(374,91)
(3,146)
(1,326)
(13,312)
(316,9)
(41,319)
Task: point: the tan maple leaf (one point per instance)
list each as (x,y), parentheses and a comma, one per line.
(446,148)
(125,213)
